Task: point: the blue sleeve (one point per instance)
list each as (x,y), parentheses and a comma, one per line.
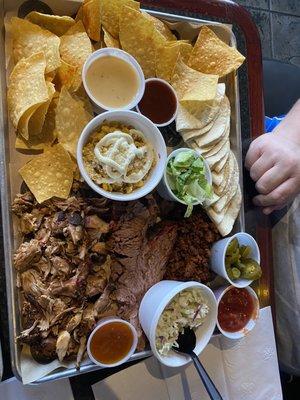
(271,123)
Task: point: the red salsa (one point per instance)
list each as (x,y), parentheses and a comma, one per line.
(235,309)
(158,102)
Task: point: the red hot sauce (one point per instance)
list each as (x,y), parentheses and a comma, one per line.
(235,309)
(158,103)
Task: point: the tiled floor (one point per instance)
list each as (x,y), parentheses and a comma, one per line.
(279,25)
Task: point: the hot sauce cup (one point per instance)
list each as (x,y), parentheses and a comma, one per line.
(254,314)
(159,102)
(119,337)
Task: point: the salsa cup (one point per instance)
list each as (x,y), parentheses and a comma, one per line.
(151,133)
(219,293)
(152,306)
(218,253)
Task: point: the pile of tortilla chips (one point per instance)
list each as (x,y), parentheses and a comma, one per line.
(48,105)
(46,102)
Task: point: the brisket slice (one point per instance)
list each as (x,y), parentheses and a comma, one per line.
(140,252)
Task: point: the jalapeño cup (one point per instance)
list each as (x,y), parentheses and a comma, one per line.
(218,254)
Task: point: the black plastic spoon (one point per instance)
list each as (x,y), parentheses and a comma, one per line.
(186,344)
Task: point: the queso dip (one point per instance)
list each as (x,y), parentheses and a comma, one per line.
(112,81)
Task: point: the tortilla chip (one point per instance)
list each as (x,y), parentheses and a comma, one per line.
(192,86)
(50,76)
(167,56)
(212,56)
(161,27)
(27,90)
(66,76)
(53,23)
(71,117)
(79,14)
(198,118)
(29,39)
(139,37)
(111,11)
(81,95)
(91,18)
(36,122)
(75,48)
(49,174)
(48,134)
(110,41)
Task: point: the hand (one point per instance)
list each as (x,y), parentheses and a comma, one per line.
(274,164)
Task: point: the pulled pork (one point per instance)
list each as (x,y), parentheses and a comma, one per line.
(63,269)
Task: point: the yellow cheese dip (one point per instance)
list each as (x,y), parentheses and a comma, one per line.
(112,81)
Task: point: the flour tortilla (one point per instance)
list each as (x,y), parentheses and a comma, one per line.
(231,178)
(219,127)
(226,218)
(228,187)
(232,212)
(223,201)
(195,133)
(220,164)
(213,160)
(216,147)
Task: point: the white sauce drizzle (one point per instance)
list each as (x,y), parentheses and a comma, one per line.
(121,160)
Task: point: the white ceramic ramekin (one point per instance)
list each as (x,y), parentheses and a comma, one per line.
(164,188)
(218,253)
(151,133)
(100,324)
(219,293)
(175,95)
(109,51)
(153,304)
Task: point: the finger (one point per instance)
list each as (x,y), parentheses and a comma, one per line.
(262,165)
(252,155)
(278,196)
(271,179)
(269,210)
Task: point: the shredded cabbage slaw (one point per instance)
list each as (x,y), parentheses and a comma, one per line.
(187,309)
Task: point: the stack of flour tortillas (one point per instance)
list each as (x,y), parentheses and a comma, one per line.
(205,126)
(203,119)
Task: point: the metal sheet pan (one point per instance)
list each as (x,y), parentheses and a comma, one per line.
(10,182)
